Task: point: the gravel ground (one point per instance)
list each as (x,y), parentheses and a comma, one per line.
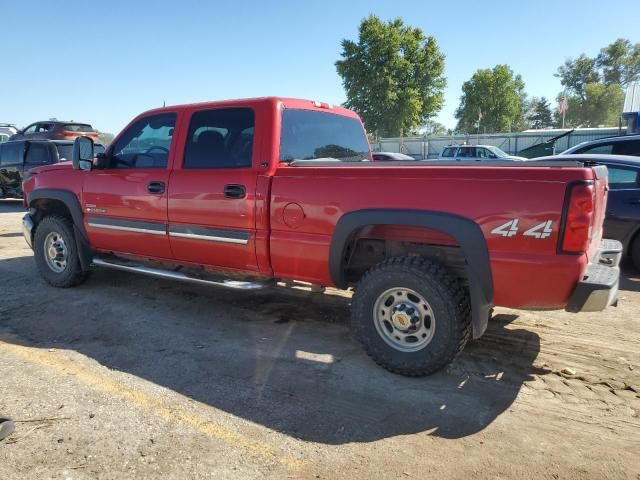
(128,376)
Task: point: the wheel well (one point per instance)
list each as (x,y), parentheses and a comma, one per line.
(372,244)
(45,206)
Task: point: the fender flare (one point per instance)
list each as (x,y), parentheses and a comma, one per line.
(70,200)
(465,231)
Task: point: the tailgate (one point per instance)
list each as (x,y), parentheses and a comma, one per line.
(600,207)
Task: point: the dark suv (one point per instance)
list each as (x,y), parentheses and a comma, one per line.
(17,157)
(55,130)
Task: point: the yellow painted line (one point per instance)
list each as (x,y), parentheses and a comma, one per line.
(55,361)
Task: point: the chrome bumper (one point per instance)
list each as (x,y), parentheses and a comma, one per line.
(599,287)
(27,229)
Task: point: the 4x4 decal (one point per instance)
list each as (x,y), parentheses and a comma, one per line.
(509,229)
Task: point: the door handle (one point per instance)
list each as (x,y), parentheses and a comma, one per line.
(634,201)
(155,187)
(235,191)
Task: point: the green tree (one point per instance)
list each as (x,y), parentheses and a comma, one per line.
(599,105)
(620,62)
(431,127)
(575,74)
(497,96)
(393,76)
(105,138)
(539,113)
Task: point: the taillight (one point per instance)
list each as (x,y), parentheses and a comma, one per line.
(578,218)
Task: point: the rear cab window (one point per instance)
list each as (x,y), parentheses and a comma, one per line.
(314,135)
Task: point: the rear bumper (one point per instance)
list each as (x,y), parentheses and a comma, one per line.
(27,229)
(599,286)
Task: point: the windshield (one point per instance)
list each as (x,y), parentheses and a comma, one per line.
(497,152)
(312,135)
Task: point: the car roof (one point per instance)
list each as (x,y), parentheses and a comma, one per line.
(616,139)
(599,158)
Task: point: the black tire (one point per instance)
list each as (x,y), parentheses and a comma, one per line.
(446,297)
(72,273)
(634,252)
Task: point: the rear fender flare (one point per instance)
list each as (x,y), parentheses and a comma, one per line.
(465,231)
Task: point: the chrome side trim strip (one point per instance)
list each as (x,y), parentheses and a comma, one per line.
(193,236)
(126,229)
(157,272)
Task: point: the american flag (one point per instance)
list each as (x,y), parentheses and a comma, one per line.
(562,105)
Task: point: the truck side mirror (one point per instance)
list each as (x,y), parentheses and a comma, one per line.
(102,161)
(82,156)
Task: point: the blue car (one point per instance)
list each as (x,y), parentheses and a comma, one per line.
(623,208)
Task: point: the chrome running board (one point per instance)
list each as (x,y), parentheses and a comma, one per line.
(173,275)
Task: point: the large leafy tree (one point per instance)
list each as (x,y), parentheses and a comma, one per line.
(598,105)
(494,97)
(575,74)
(620,62)
(393,76)
(594,86)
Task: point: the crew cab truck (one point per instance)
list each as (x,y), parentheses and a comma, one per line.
(240,193)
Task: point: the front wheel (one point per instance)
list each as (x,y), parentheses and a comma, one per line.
(411,316)
(56,252)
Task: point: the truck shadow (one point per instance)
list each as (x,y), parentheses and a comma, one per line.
(282,358)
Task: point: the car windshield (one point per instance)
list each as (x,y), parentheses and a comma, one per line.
(497,152)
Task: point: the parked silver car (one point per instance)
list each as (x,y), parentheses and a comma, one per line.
(476,152)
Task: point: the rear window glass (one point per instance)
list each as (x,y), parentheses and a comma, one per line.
(311,135)
(77,127)
(448,152)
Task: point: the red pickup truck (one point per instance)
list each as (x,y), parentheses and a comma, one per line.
(240,193)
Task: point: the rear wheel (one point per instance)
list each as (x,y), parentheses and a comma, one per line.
(411,316)
(56,252)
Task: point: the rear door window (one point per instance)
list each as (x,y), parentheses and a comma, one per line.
(620,177)
(467,152)
(220,138)
(602,149)
(627,148)
(313,135)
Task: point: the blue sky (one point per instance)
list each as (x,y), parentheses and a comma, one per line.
(107,61)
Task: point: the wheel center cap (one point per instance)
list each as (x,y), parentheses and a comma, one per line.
(401,320)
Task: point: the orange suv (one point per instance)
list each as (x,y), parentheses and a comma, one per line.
(56,130)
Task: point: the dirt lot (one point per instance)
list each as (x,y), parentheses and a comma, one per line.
(127,376)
